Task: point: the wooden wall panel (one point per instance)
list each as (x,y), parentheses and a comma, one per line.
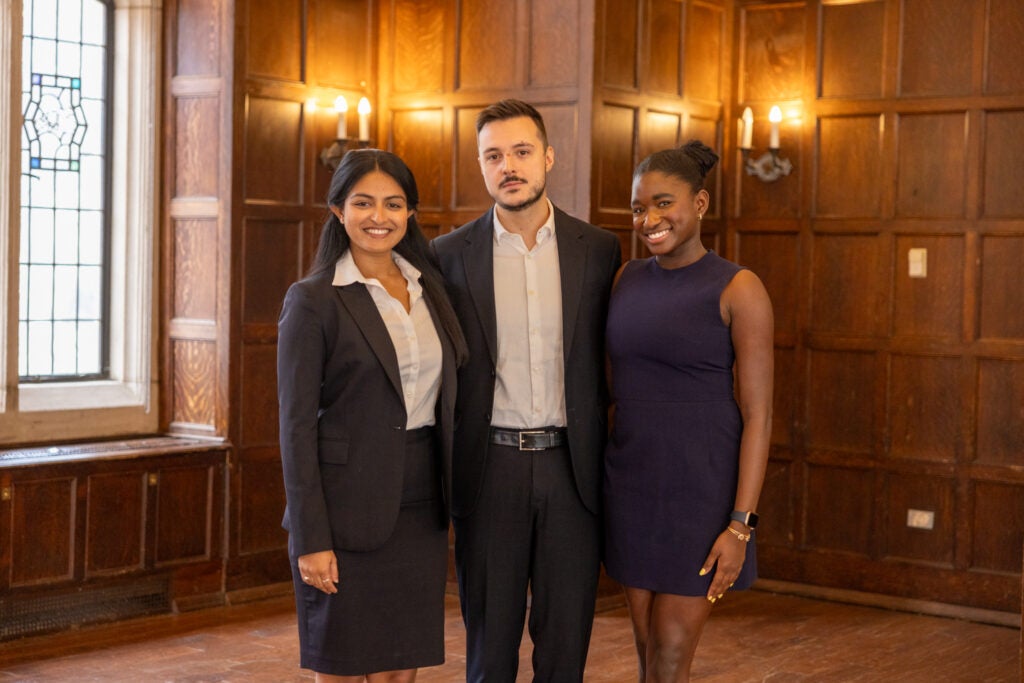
(929,306)
(1004,148)
(275,39)
(844,422)
(619,67)
(334,60)
(551,66)
(418,136)
(198,49)
(662,130)
(469,191)
(931,180)
(482,26)
(195,154)
(261,494)
(840,522)
(194,268)
(418,58)
(787,390)
(1000,416)
(663,48)
(193,364)
(925,408)
(774,258)
(703,46)
(42,534)
(849,170)
(614,160)
(850,292)
(562,124)
(273,150)
(258,395)
(935,546)
(1001,304)
(184,515)
(772,52)
(1004,51)
(778,525)
(936,47)
(272,258)
(999,511)
(115,523)
(852,48)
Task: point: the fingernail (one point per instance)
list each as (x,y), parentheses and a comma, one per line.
(702,572)
(711,599)
(720,596)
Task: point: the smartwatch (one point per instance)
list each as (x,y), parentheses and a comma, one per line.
(747,518)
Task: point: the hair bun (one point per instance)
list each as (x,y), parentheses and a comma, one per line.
(702,155)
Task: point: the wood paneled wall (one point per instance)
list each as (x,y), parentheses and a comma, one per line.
(661,77)
(904,121)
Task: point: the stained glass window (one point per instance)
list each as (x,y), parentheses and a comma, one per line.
(64,190)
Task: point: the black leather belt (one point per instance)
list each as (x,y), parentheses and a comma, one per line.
(530,439)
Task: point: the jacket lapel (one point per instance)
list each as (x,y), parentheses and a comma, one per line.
(572,259)
(357,300)
(478,260)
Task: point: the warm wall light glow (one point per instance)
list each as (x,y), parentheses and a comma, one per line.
(311,105)
(364,118)
(341,106)
(746,140)
(774,117)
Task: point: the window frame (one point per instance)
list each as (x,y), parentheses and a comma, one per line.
(123,404)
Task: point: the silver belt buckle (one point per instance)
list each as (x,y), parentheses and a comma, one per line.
(523,433)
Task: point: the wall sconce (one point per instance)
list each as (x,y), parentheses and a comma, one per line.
(768,167)
(331,155)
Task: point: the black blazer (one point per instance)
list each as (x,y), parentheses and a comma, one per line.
(342,417)
(588,259)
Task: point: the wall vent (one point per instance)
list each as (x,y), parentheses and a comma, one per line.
(22,616)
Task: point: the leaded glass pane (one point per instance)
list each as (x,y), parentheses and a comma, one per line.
(65,96)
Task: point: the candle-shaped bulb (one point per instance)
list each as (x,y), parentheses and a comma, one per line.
(774,117)
(748,129)
(364,119)
(341,106)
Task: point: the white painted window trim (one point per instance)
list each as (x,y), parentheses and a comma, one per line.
(125,404)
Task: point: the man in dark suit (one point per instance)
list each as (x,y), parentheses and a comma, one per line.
(530,285)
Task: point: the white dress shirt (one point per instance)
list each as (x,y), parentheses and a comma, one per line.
(530,388)
(412,333)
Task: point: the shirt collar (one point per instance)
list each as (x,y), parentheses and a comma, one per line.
(546,232)
(346,272)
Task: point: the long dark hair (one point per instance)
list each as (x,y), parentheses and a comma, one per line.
(413,246)
(690,163)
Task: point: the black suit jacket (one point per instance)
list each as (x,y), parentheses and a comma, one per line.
(342,417)
(588,260)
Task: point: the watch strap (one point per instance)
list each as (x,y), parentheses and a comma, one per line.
(747,518)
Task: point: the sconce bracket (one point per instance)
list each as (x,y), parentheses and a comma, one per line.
(331,155)
(768,167)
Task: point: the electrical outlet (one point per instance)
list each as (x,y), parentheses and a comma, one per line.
(917,263)
(920,519)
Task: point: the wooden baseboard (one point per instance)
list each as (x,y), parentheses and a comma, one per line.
(938,609)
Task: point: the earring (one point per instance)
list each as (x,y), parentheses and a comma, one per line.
(700,217)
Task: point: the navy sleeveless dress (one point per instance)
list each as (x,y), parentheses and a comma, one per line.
(672,461)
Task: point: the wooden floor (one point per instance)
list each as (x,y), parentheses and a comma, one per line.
(752,636)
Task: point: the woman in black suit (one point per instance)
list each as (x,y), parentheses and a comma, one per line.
(368,347)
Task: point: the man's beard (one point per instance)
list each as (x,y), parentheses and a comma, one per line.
(525,203)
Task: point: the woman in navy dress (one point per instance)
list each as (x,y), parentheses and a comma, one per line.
(690,351)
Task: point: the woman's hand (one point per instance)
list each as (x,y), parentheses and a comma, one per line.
(320,570)
(729,552)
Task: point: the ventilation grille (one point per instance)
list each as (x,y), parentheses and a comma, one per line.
(24,616)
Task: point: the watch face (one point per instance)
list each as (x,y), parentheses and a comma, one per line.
(748,518)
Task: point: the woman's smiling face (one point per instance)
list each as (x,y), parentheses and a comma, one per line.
(667,214)
(375,215)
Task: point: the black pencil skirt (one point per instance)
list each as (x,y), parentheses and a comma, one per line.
(388,613)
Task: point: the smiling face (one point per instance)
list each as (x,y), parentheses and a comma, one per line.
(514,161)
(666,216)
(375,215)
